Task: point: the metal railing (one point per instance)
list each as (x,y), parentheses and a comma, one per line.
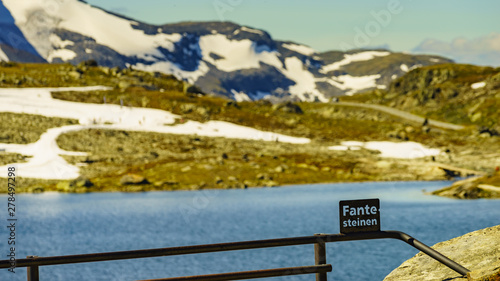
(320,268)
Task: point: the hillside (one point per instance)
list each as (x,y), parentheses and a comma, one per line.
(455,93)
(278,144)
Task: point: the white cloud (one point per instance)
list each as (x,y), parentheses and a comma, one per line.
(483,50)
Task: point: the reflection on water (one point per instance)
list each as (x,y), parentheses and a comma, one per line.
(65,224)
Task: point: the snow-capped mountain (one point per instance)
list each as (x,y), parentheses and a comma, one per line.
(223,58)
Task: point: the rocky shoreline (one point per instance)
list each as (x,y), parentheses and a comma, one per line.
(473,188)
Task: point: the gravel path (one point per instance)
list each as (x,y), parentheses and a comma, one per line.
(405,115)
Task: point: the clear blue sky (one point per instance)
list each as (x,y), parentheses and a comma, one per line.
(419,25)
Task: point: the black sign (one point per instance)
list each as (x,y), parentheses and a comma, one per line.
(359,215)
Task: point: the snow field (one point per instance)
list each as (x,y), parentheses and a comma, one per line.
(401,150)
(46,162)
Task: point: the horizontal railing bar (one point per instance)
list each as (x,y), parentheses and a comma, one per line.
(232,246)
(183,250)
(288,271)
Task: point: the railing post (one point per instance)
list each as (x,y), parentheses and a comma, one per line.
(320,256)
(33,273)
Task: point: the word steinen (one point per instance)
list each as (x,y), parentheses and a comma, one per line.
(359,211)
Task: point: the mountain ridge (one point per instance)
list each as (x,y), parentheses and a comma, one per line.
(222,58)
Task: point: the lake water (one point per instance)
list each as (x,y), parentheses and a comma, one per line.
(66,224)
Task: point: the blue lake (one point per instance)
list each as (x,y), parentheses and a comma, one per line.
(67,224)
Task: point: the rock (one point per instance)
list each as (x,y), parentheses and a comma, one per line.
(409,129)
(233,179)
(74,75)
(476,116)
(115,71)
(192,90)
(477,251)
(63,186)
(383,164)
(133,179)
(232,104)
(279,169)
(471,188)
(124,85)
(263,177)
(271,183)
(202,111)
(79,185)
(82,181)
(326,169)
(88,63)
(38,190)
(248,183)
(288,107)
(186,169)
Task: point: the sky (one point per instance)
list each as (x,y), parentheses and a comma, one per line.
(466,31)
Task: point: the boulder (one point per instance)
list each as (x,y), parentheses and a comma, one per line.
(288,107)
(477,251)
(133,179)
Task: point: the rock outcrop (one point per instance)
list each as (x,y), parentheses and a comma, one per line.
(477,251)
(473,188)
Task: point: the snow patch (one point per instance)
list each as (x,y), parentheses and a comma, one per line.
(363,56)
(63,54)
(478,85)
(251,30)
(88,51)
(174,69)
(404,67)
(302,49)
(3,56)
(353,83)
(237,54)
(57,42)
(357,83)
(240,96)
(107,29)
(259,95)
(305,82)
(401,150)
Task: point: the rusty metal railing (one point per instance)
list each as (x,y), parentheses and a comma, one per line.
(320,269)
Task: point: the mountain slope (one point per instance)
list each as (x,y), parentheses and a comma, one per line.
(222,58)
(461,94)
(13,45)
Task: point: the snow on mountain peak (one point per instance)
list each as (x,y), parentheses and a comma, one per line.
(3,56)
(303,49)
(349,58)
(109,30)
(231,55)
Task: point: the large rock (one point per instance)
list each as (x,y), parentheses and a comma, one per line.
(472,188)
(478,251)
(133,179)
